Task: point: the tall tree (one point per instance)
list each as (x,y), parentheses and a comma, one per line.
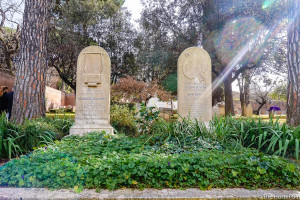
(293,100)
(231,30)
(168,28)
(117,36)
(29,90)
(9,37)
(261,89)
(244,87)
(80,23)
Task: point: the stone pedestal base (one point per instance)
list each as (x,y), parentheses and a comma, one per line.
(82,130)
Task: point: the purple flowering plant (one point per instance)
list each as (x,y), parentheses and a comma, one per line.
(274,108)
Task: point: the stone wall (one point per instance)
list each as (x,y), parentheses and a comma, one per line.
(53,98)
(68,99)
(56,98)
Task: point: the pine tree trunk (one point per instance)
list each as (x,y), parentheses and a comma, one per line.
(247,87)
(242,95)
(293,101)
(244,86)
(29,90)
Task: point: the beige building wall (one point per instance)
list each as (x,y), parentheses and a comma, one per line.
(54,98)
(7,79)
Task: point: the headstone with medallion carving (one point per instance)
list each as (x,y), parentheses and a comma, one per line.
(194,85)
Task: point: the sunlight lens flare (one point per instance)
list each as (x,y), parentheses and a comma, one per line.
(267,3)
(235,36)
(236,44)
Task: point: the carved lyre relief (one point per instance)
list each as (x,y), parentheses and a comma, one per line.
(93,67)
(191,68)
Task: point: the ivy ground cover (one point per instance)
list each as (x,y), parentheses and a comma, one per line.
(101,161)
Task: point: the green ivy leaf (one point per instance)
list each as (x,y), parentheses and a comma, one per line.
(261,170)
(234,173)
(78,189)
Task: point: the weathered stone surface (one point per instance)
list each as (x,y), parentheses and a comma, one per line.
(92,92)
(194,84)
(239,193)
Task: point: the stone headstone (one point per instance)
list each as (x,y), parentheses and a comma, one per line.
(92,92)
(216,111)
(222,110)
(249,110)
(194,84)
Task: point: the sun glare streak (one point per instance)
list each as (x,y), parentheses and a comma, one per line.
(229,67)
(245,49)
(292,19)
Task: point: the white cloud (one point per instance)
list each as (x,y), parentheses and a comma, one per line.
(135,7)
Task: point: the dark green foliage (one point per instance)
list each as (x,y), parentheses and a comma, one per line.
(231,133)
(45,167)
(33,134)
(269,137)
(62,124)
(146,119)
(170,83)
(181,154)
(8,143)
(99,160)
(185,134)
(131,106)
(23,138)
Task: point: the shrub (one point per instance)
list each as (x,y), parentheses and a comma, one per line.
(184,134)
(8,143)
(34,133)
(131,106)
(269,137)
(16,139)
(146,118)
(62,124)
(123,119)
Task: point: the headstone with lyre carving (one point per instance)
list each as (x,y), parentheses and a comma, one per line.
(92,92)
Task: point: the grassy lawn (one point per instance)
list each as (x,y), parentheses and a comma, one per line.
(281,118)
(61,115)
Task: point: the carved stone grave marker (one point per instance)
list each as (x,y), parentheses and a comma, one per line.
(92,92)
(249,110)
(194,84)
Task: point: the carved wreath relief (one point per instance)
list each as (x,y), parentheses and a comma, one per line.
(93,67)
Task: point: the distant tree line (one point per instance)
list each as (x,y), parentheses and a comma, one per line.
(245,39)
